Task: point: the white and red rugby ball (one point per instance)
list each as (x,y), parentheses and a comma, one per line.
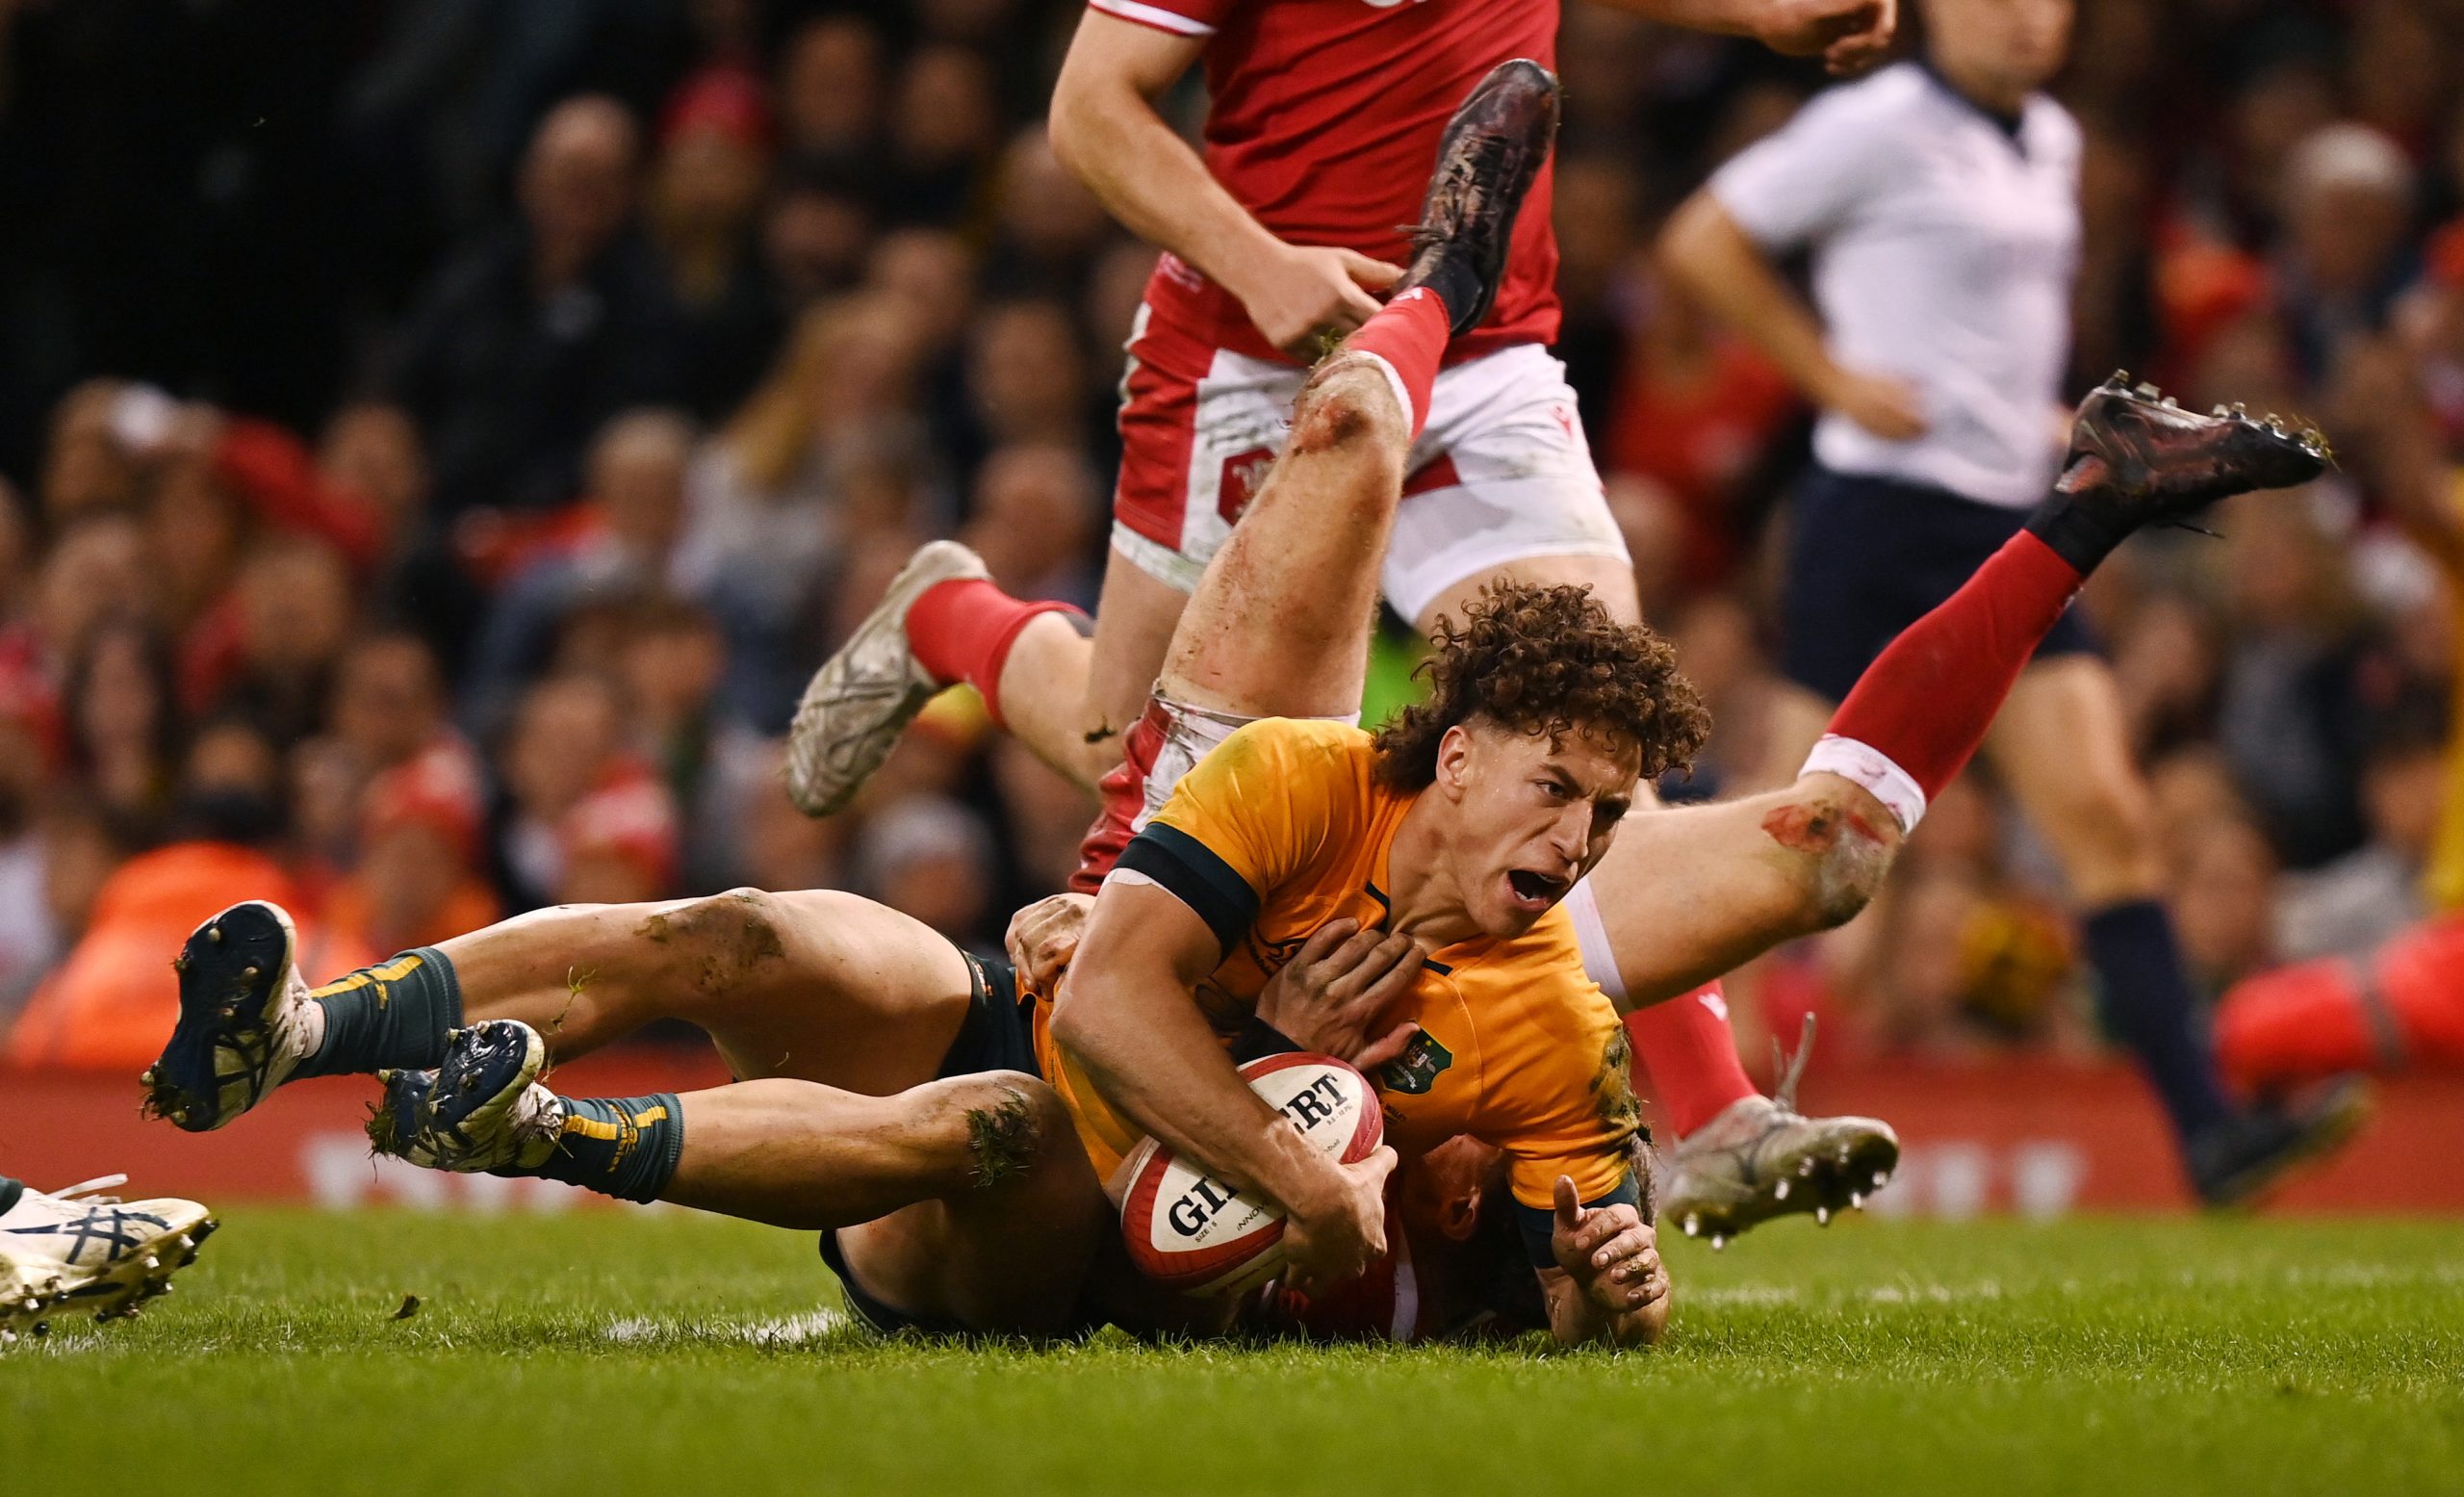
(1192,1231)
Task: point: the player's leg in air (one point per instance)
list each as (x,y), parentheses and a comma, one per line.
(77,1253)
(2060,748)
(1695,892)
(1502,485)
(885,1099)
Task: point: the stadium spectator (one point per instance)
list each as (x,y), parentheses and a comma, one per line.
(944,128)
(829,95)
(531,337)
(705,191)
(616,545)
(123,721)
(2353,904)
(672,664)
(815,232)
(2349,199)
(589,819)
(1050,226)
(1035,522)
(108,1003)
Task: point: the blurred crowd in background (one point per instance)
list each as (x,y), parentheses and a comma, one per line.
(437,439)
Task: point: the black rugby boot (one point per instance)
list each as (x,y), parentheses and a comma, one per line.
(1490,155)
(2137,459)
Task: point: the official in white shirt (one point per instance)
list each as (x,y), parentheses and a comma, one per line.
(1938,202)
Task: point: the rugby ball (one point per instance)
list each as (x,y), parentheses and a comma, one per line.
(1192,1231)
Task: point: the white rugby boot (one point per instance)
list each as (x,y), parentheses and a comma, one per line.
(1762,1158)
(862,697)
(76,1251)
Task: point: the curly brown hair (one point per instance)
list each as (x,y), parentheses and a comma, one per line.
(1547,660)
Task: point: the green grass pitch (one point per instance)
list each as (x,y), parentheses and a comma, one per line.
(669,1353)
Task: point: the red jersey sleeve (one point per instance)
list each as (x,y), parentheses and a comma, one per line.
(1180,18)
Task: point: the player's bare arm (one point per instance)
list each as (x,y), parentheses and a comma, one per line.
(1608,1285)
(1332,998)
(1104,127)
(1128,1013)
(1713,259)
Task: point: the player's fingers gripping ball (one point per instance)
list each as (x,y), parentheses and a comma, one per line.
(1190,1230)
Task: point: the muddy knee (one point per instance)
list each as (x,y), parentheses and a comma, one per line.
(1352,405)
(1840,842)
(1001,1121)
(720,941)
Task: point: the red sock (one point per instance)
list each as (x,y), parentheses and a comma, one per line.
(1687,1045)
(1919,711)
(1410,334)
(961,629)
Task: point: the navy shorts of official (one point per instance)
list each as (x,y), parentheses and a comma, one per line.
(1867,556)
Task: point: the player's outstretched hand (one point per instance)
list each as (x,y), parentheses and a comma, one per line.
(1850,34)
(1883,404)
(1044,937)
(1608,1251)
(1304,296)
(1334,1242)
(1333,995)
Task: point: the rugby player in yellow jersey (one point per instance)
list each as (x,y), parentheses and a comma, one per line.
(892,1099)
(1461,826)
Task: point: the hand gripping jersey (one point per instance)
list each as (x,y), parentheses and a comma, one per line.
(1324,123)
(1283,827)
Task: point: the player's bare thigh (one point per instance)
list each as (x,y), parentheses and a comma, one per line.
(814,983)
(1279,623)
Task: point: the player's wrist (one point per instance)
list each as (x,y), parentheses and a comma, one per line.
(1254,267)
(1309,1185)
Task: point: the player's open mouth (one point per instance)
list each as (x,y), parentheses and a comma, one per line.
(1536,890)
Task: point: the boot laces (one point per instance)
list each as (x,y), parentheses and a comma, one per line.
(1463,174)
(1790,1070)
(84,1187)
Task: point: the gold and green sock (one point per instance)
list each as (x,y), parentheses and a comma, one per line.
(395,1013)
(625,1147)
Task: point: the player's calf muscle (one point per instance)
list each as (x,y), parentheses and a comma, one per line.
(795,1154)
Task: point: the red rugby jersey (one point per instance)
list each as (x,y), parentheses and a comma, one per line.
(1325,125)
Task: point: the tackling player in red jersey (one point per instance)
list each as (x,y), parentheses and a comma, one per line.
(1278,236)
